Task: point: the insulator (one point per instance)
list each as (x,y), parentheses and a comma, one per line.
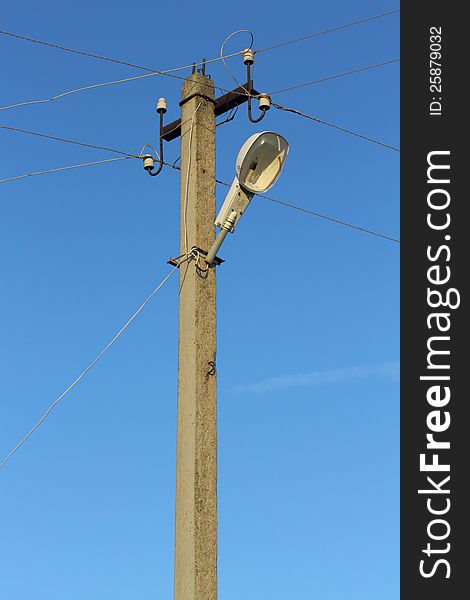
(264,102)
(149,162)
(248,56)
(161,106)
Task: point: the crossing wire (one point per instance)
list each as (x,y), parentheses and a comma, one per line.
(167,72)
(173,166)
(67,141)
(127,155)
(338,127)
(90,366)
(138,77)
(70,167)
(114,60)
(177,168)
(67,168)
(136,66)
(330,30)
(321,216)
(328,78)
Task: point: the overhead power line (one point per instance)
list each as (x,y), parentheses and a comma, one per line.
(112,82)
(75,91)
(332,219)
(93,86)
(67,168)
(175,167)
(321,216)
(354,71)
(71,167)
(278,106)
(150,71)
(138,77)
(330,30)
(67,141)
(338,127)
(210,60)
(114,60)
(90,366)
(104,84)
(153,72)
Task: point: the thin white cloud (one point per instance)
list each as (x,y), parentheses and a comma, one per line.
(387,370)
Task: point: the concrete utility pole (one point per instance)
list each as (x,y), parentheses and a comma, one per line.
(196,461)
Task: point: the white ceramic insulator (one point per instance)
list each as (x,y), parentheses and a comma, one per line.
(248,57)
(264,102)
(149,162)
(161,105)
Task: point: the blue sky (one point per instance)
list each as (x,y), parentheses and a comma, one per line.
(307,311)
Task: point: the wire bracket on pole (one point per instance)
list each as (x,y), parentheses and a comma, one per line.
(222,105)
(176,261)
(197,94)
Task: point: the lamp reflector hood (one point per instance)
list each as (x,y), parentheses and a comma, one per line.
(260,161)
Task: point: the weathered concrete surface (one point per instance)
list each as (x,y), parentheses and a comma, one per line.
(196,467)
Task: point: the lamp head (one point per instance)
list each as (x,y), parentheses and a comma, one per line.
(258,166)
(260,161)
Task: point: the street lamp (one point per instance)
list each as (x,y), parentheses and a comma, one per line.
(259,164)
